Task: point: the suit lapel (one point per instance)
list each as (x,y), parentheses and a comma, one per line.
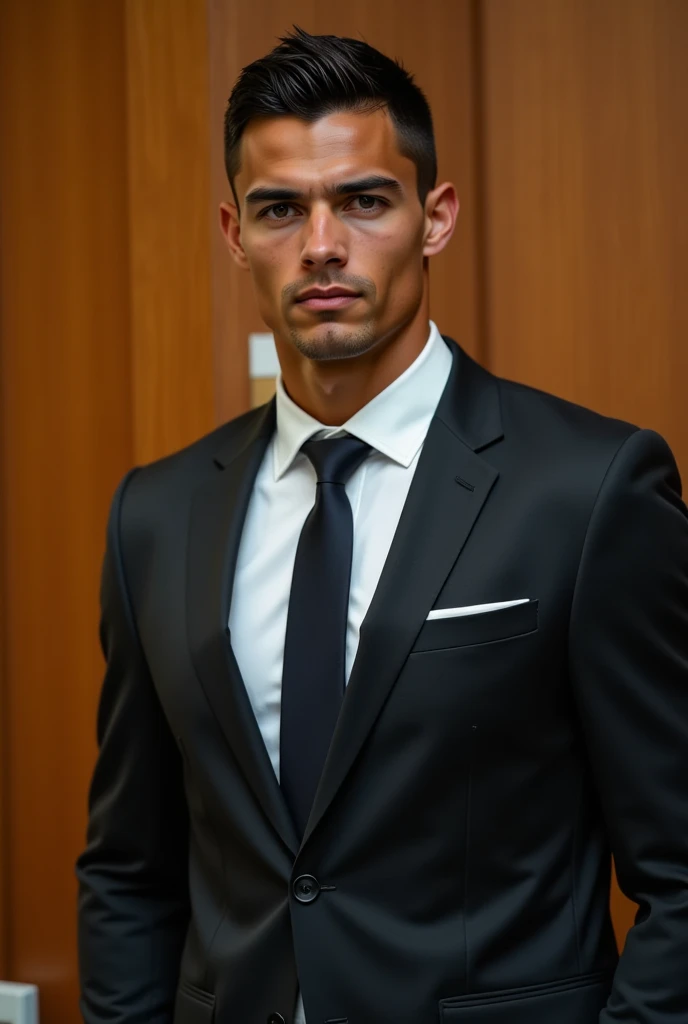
(450,486)
(217,517)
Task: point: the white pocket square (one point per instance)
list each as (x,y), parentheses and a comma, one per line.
(474,609)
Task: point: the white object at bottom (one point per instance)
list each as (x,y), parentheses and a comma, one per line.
(18,1003)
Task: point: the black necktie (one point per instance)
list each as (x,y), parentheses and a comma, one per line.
(313,673)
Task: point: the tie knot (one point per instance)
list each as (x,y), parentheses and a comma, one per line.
(335,458)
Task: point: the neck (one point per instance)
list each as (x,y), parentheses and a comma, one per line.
(333,391)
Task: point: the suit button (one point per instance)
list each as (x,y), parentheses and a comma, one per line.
(276,1018)
(306,888)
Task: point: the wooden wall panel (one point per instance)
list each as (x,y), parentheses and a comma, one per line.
(170,224)
(65,441)
(586,160)
(438,49)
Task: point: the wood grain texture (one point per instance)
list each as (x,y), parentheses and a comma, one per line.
(586,160)
(169,224)
(438,49)
(234,314)
(65,442)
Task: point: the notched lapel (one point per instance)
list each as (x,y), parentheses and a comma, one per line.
(450,486)
(217,517)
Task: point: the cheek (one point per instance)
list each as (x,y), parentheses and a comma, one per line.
(266,264)
(396,249)
(397,265)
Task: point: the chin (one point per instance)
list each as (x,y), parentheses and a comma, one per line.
(332,340)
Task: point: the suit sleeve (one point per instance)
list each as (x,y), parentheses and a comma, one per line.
(629,666)
(133,889)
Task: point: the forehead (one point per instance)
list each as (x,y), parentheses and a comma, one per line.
(337,147)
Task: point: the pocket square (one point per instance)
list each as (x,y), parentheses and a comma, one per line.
(474,609)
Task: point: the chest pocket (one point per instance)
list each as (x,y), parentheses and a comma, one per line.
(480,628)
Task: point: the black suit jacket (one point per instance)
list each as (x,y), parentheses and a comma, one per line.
(481,771)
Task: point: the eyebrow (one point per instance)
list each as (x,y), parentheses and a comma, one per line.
(373,182)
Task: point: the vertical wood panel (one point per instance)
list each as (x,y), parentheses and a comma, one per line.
(65,442)
(234,313)
(586,158)
(170,224)
(438,49)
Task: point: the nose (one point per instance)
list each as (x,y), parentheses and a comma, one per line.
(324,239)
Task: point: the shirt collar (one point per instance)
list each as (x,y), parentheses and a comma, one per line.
(394,423)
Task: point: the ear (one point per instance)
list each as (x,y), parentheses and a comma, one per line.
(441,211)
(231,229)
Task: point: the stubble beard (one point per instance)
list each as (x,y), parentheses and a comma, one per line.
(334,343)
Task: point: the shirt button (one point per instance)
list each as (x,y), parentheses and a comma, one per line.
(306,888)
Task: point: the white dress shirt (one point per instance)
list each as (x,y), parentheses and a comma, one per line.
(394,424)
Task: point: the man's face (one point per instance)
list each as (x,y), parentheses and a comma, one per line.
(332,230)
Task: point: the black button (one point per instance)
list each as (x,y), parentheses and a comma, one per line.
(276,1018)
(306,888)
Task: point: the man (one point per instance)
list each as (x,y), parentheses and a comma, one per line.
(395,661)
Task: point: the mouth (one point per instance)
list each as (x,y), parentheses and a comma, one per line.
(332,298)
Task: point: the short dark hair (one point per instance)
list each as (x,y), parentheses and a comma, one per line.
(311,76)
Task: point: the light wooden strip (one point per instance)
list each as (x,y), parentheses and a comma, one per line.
(169,224)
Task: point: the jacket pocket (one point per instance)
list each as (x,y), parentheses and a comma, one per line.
(480,628)
(193,1005)
(570,1001)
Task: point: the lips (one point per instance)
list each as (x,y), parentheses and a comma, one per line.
(327,298)
(326,293)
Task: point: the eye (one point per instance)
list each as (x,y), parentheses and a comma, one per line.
(368,203)
(278,211)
